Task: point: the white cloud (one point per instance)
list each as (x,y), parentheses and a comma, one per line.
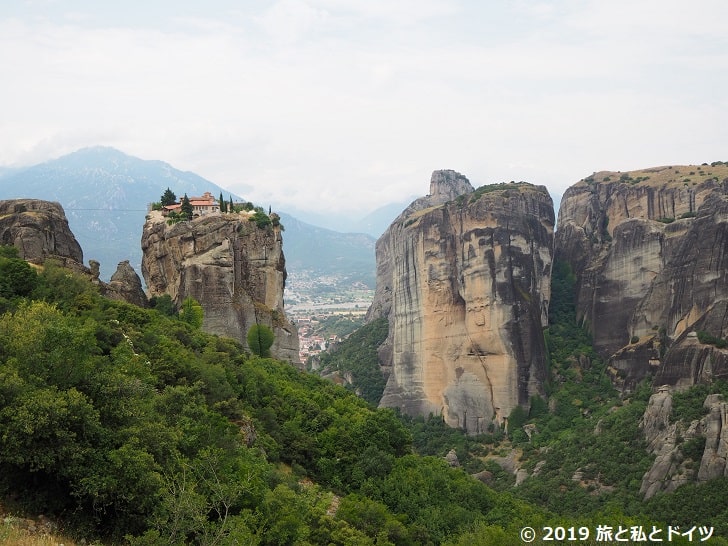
(288,21)
(349,104)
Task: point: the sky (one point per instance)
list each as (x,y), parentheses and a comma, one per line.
(347,105)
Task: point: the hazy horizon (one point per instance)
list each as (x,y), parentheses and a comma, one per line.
(316,105)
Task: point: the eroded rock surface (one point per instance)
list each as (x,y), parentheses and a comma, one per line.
(39,230)
(666,439)
(126,285)
(649,252)
(234,269)
(463,276)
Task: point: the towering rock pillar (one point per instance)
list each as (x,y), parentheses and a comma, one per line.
(233,268)
(648,249)
(463,276)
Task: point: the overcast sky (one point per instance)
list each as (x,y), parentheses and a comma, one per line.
(351,104)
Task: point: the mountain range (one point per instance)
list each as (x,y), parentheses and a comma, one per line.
(106,193)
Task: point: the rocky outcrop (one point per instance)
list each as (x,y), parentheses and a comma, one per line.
(463,277)
(39,230)
(126,285)
(667,439)
(445,186)
(715,429)
(666,473)
(233,268)
(649,252)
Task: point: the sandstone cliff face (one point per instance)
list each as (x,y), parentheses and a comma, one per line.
(463,277)
(649,252)
(234,269)
(38,229)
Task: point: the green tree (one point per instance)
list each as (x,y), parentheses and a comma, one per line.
(260,218)
(168,198)
(260,339)
(223,204)
(163,304)
(9,251)
(17,277)
(192,312)
(186,210)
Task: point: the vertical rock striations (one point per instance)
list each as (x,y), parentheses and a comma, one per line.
(233,268)
(649,250)
(463,276)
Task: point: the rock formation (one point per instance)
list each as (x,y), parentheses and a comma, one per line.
(39,230)
(667,471)
(233,268)
(126,285)
(715,429)
(649,252)
(672,466)
(463,277)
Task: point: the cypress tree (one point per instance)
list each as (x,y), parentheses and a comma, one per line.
(187,208)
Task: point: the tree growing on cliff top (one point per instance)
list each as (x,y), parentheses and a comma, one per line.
(260,339)
(186,208)
(168,198)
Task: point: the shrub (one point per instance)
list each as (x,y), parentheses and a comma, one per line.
(192,312)
(261,219)
(260,339)
(693,448)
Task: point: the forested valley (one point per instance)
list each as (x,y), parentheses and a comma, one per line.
(132,426)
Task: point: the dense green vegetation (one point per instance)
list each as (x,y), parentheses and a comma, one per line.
(260,339)
(709,339)
(358,355)
(134,426)
(489,188)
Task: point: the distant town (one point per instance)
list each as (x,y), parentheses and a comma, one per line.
(314,303)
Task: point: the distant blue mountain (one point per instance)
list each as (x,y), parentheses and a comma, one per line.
(320,251)
(376,222)
(105,194)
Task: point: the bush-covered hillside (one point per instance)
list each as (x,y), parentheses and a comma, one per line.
(357,356)
(134,427)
